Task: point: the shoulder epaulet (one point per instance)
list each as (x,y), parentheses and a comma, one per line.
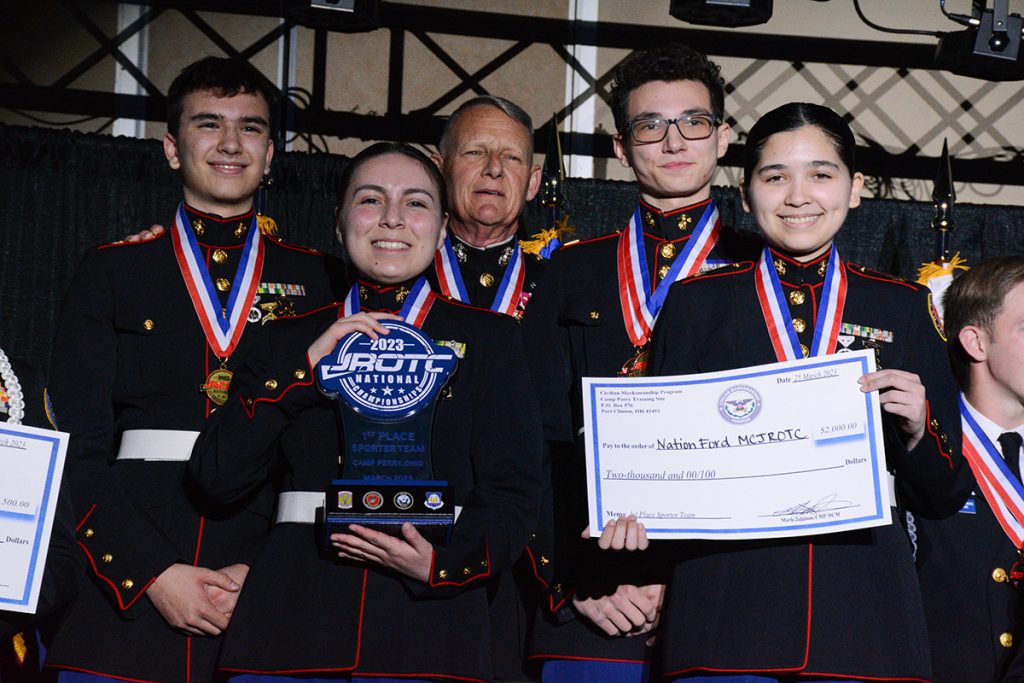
(126,243)
(590,240)
(871,274)
(722,271)
(294,247)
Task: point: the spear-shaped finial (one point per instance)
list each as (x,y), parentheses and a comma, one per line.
(943,196)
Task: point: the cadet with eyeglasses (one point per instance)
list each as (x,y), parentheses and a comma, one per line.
(592,316)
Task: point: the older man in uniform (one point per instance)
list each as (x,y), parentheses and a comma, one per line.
(486,156)
(970,564)
(593,317)
(150,334)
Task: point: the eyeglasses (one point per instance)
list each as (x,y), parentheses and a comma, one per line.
(691,127)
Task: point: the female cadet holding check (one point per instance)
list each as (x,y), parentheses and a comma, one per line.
(842,606)
(377,605)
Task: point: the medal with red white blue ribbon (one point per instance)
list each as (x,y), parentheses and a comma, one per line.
(640,305)
(1002,490)
(223,326)
(414,311)
(508,293)
(776,311)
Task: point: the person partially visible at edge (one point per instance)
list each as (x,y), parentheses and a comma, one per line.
(969,563)
(592,316)
(146,346)
(378,607)
(843,606)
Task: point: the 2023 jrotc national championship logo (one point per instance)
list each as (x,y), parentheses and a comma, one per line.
(388,378)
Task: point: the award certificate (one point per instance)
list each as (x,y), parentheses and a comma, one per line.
(32,461)
(786,449)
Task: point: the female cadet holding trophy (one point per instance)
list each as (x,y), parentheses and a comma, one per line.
(839,606)
(334,595)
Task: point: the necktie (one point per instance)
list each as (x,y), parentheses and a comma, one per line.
(1010,443)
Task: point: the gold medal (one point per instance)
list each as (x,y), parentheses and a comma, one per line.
(637,365)
(487,280)
(216,385)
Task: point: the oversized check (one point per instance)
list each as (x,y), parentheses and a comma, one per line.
(32,461)
(787,449)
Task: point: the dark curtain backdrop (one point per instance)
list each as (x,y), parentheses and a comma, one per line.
(61,192)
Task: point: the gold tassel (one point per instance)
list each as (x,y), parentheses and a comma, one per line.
(927,271)
(268,226)
(543,238)
(20,647)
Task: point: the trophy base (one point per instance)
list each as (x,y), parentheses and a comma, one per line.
(386,505)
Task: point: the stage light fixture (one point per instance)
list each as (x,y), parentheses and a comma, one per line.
(990,48)
(729,13)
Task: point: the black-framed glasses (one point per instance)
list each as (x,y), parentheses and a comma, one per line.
(654,129)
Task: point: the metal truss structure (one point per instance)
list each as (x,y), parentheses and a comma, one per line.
(852,76)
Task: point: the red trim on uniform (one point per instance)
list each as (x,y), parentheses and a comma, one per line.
(125,243)
(250,410)
(362,605)
(591,240)
(736,269)
(67,667)
(588,659)
(810,597)
(880,277)
(294,247)
(483,575)
(450,677)
(199,541)
(117,594)
(454,302)
(928,428)
(673,212)
(220,219)
(552,606)
(859,677)
(87,515)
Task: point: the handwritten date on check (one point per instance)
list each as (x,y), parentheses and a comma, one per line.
(779,450)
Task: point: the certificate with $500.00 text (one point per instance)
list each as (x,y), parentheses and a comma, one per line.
(786,449)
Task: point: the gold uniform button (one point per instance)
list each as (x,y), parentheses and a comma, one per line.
(443,574)
(663,271)
(300,374)
(804,350)
(219,256)
(107,558)
(148,324)
(799,325)
(127,584)
(594,315)
(270,384)
(223,285)
(1006,639)
(999,575)
(668,250)
(544,561)
(797,298)
(487,280)
(89,533)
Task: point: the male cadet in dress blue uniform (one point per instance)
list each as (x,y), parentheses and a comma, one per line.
(970,564)
(486,156)
(148,339)
(593,316)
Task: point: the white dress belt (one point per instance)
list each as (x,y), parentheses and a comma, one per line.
(168,445)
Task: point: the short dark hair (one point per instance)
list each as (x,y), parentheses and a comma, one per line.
(380,149)
(791,117)
(976,298)
(508,107)
(224,77)
(668,63)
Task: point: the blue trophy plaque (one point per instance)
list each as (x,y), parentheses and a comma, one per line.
(386,389)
